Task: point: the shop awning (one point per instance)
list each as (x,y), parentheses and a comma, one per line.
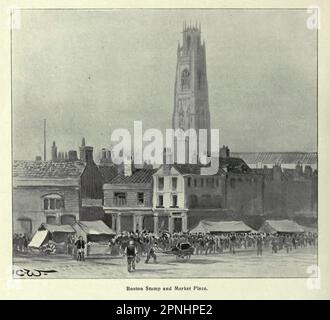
(94,227)
(57,228)
(38,239)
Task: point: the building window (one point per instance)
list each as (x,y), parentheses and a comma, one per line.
(46,204)
(140,198)
(160,201)
(232,183)
(189,182)
(174,183)
(161,183)
(68,219)
(119,198)
(53,202)
(174,200)
(185,79)
(195,183)
(202,182)
(51,220)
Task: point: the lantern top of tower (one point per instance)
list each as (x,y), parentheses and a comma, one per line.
(192,27)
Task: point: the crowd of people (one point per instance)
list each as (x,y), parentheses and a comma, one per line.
(149,244)
(205,244)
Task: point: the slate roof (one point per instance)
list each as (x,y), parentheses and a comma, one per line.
(277,157)
(138,176)
(47,169)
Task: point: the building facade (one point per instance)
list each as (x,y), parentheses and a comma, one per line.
(58,192)
(128,199)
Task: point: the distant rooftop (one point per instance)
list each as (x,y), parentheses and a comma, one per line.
(47,169)
(138,176)
(277,157)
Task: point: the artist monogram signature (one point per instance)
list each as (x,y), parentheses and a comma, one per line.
(22,272)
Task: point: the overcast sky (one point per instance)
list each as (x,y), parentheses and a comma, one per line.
(90,72)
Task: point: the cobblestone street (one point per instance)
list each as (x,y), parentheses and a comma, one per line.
(242,264)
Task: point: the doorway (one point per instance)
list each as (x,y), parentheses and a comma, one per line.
(177,224)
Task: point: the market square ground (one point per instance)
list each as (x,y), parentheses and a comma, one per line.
(243,264)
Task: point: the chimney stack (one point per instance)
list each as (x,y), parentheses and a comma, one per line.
(44,139)
(224,152)
(88,151)
(54,151)
(73,155)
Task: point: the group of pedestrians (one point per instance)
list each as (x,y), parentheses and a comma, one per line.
(20,243)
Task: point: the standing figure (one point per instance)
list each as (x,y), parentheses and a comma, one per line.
(259,245)
(80,246)
(151,253)
(131,254)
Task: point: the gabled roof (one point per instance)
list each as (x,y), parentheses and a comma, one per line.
(138,176)
(48,169)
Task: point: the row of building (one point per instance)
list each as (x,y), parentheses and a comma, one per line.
(172,197)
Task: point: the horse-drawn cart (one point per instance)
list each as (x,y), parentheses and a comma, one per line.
(182,251)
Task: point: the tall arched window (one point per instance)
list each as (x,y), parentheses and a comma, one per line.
(185,79)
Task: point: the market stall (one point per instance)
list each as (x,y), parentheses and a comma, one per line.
(281,226)
(96,234)
(57,234)
(218,227)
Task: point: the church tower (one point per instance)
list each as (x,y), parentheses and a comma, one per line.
(191,106)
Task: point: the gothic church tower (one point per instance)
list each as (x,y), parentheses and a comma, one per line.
(191,106)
